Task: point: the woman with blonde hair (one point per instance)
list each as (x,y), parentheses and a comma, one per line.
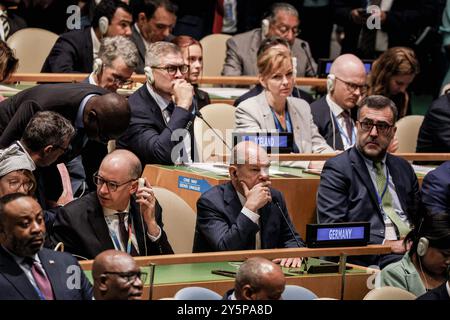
(391,75)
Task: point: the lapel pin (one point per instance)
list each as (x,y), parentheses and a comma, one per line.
(51,261)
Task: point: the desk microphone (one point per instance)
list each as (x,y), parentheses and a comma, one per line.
(308,57)
(198,114)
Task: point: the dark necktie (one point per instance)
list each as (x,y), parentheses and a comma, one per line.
(124,233)
(40,278)
(5,24)
(348,125)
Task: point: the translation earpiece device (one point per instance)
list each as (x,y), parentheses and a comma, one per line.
(294,67)
(98,65)
(149,75)
(422,246)
(331,78)
(103,24)
(141,183)
(265,28)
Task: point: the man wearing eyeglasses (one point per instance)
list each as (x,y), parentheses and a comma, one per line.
(117,276)
(366,183)
(119,215)
(282,21)
(162,111)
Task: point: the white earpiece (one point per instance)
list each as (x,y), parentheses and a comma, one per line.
(294,67)
(331,79)
(149,74)
(265,28)
(98,65)
(422,246)
(103,25)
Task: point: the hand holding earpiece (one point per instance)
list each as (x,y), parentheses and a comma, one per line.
(146,198)
(183,93)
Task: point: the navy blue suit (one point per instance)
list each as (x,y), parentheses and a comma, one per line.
(346,192)
(221,225)
(148,136)
(72,52)
(439,293)
(137,39)
(436,189)
(60,270)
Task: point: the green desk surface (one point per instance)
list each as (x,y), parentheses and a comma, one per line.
(20,87)
(201,272)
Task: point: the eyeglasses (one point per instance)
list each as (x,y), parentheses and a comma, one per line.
(284,29)
(352,87)
(382,127)
(130,276)
(68,148)
(120,81)
(16,184)
(172,69)
(112,186)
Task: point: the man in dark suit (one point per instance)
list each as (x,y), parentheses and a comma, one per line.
(440,293)
(365,183)
(13,22)
(28,271)
(75,51)
(436,189)
(155,20)
(113,217)
(332,114)
(162,110)
(245,213)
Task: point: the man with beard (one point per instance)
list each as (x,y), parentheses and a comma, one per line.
(28,271)
(365,183)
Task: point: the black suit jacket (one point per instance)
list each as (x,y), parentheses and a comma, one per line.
(15,23)
(136,38)
(148,136)
(81,226)
(346,192)
(221,225)
(72,52)
(61,268)
(439,293)
(63,98)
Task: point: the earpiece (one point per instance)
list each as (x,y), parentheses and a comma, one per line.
(103,24)
(149,74)
(294,68)
(331,79)
(422,246)
(98,65)
(264,28)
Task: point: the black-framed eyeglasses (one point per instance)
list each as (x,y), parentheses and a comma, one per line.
(352,87)
(120,81)
(172,69)
(382,127)
(64,149)
(130,276)
(111,185)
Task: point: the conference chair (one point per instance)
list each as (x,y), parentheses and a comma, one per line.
(407,133)
(220,116)
(293,292)
(389,293)
(214,52)
(197,293)
(31,46)
(178,218)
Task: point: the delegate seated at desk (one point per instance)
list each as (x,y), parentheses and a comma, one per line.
(245,213)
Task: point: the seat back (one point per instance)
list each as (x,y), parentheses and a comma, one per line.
(197,293)
(221,117)
(178,218)
(214,52)
(31,46)
(389,293)
(407,133)
(293,292)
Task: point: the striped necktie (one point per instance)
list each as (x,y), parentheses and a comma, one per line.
(5,24)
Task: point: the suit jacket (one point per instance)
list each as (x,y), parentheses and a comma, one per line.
(346,192)
(72,52)
(148,136)
(242,51)
(63,98)
(254,114)
(202,97)
(221,225)
(59,267)
(436,189)
(434,133)
(137,39)
(439,293)
(15,23)
(297,93)
(81,226)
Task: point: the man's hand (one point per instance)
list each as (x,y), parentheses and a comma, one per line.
(289,262)
(397,246)
(317,165)
(146,198)
(357,16)
(258,196)
(183,93)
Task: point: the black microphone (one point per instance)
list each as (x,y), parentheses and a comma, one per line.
(308,57)
(198,114)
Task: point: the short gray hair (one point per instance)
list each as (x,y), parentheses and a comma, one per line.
(119,46)
(281,6)
(159,49)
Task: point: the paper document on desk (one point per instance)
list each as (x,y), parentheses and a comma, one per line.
(422,169)
(8,89)
(225,93)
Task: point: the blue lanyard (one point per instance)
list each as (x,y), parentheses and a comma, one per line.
(116,240)
(278,123)
(343,133)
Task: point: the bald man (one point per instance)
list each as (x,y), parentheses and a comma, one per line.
(117,276)
(245,213)
(346,85)
(257,279)
(119,215)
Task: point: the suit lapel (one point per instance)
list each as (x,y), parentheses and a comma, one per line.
(297,129)
(397,180)
(149,101)
(16,277)
(266,112)
(139,43)
(98,223)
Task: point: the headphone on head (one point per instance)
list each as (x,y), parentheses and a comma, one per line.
(423,244)
(294,68)
(149,75)
(331,79)
(98,66)
(265,27)
(103,24)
